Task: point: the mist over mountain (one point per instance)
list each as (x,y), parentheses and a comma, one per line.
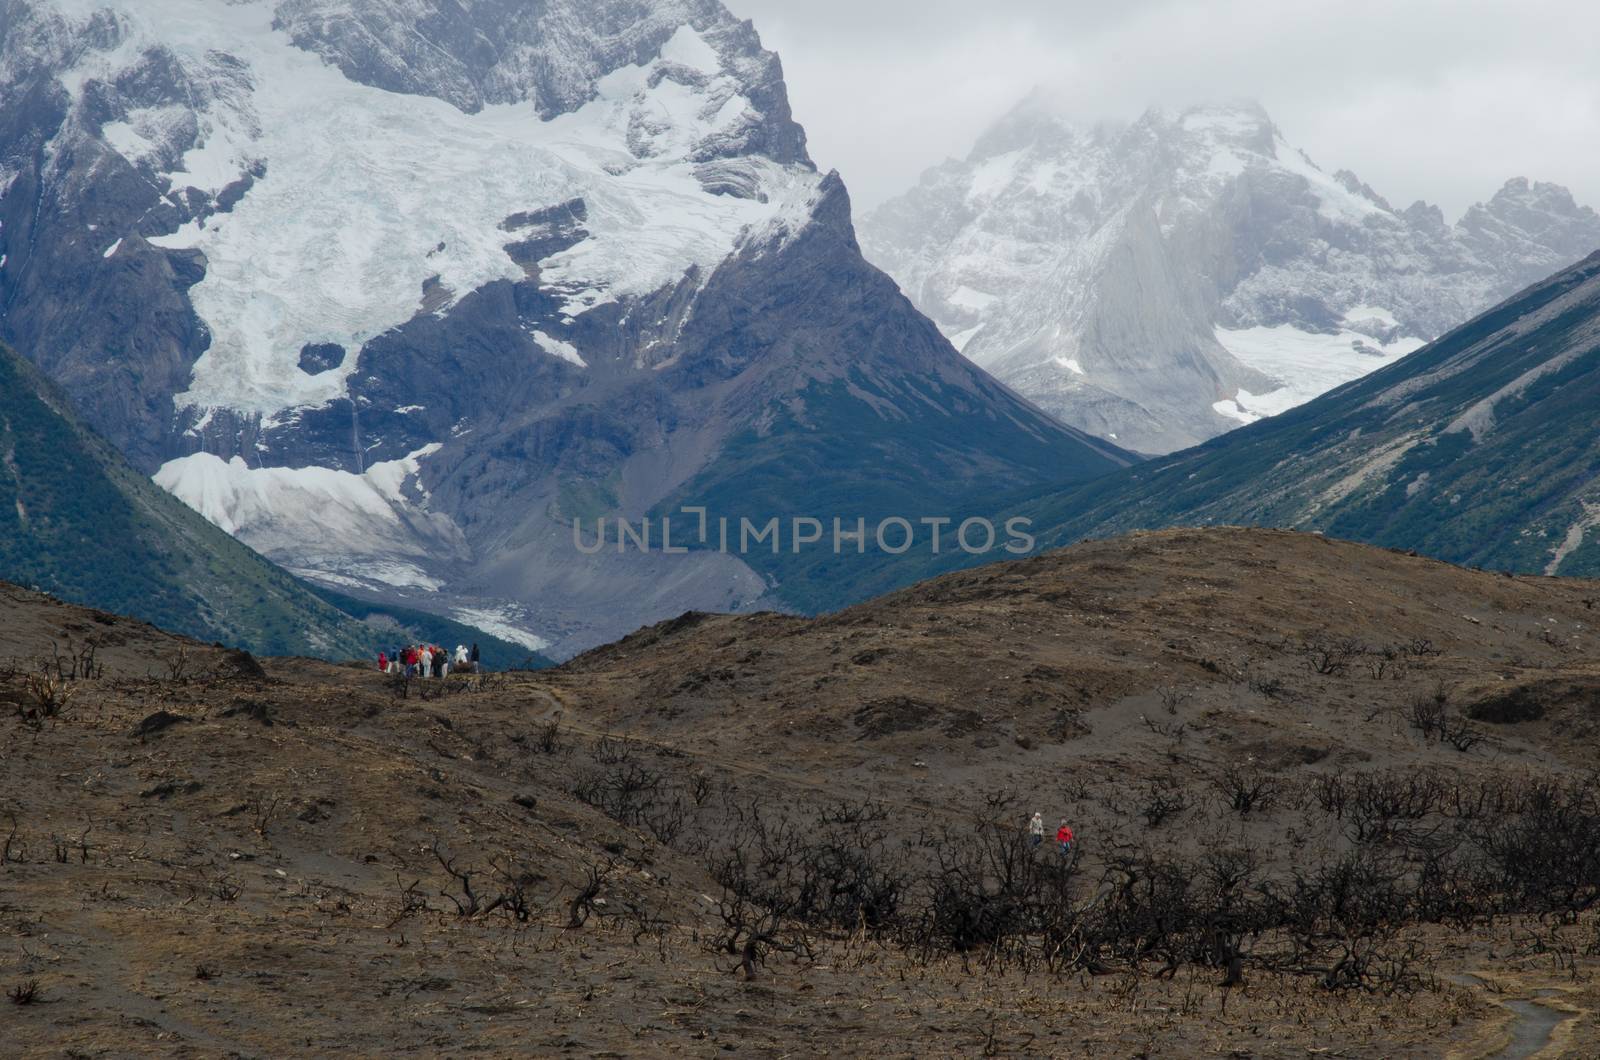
(1162,282)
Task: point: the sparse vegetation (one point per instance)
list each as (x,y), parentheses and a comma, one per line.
(1432,716)
(47,696)
(742,845)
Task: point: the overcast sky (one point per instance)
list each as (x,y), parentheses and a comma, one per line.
(1434,99)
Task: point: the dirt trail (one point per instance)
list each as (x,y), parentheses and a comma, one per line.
(1541,1023)
(1533,1029)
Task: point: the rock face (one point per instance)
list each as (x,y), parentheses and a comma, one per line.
(396,290)
(1163,282)
(1479,449)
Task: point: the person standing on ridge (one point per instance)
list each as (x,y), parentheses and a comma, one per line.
(475,667)
(1036,830)
(1064,837)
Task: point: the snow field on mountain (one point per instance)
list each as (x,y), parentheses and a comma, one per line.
(502,622)
(1305,363)
(343,505)
(369,194)
(559,348)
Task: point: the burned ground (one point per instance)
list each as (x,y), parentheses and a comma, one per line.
(1324,794)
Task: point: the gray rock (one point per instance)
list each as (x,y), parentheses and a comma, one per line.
(1092,268)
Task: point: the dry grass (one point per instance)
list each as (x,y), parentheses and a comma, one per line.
(280,872)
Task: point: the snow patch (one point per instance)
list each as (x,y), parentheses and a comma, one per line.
(335,242)
(970,298)
(1237,407)
(564,350)
(124,139)
(1363,314)
(688,48)
(960,339)
(343,506)
(1305,363)
(389,478)
(112,249)
(502,622)
(1336,202)
(1224,164)
(374,575)
(993,175)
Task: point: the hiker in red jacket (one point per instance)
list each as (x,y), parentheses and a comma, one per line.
(383,662)
(1064,837)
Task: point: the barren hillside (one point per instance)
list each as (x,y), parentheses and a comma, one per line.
(1327,798)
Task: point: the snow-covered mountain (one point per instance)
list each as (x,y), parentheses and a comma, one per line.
(396,289)
(1162,282)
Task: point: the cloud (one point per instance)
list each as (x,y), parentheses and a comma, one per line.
(1435,99)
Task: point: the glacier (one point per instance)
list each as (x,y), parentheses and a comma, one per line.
(401,289)
(1303,364)
(364,196)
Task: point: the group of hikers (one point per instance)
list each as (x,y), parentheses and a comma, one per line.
(429,660)
(1063,834)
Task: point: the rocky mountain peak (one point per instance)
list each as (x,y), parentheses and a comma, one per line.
(1166,281)
(553,55)
(1241,124)
(1541,211)
(398,291)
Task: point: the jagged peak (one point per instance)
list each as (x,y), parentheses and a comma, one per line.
(1520,193)
(1045,119)
(1241,123)
(1041,116)
(1424,214)
(1356,186)
(1242,111)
